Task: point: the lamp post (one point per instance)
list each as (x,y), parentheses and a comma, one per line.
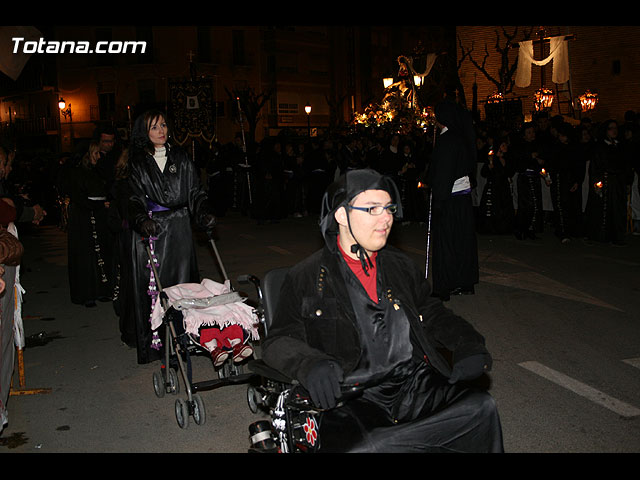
(66,112)
(307,109)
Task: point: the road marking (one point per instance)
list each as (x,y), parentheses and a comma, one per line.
(536,282)
(634,362)
(526,280)
(596,396)
(279,250)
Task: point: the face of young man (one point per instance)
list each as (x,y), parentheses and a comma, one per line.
(370,231)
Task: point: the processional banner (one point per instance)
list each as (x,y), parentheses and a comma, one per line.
(193,110)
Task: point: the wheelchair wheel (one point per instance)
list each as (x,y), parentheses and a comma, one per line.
(253,398)
(182,413)
(158,384)
(199,413)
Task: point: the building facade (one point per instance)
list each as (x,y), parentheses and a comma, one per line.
(335,70)
(603,60)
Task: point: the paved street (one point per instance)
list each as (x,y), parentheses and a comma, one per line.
(562,323)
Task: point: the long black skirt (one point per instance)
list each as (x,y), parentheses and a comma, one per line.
(455,246)
(89,255)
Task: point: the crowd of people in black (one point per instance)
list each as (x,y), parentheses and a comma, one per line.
(588,169)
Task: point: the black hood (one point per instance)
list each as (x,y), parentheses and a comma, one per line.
(344,189)
(447,113)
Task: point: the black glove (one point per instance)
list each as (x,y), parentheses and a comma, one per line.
(207,221)
(323,383)
(470,368)
(149,228)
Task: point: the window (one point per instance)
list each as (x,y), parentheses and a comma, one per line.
(238,49)
(287,108)
(107,105)
(204,44)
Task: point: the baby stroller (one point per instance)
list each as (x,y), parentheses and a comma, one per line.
(185,313)
(295,421)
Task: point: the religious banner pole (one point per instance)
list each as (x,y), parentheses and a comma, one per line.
(244,148)
(426,269)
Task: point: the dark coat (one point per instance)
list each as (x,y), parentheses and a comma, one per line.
(177,188)
(315,321)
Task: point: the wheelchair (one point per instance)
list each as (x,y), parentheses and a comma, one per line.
(294,425)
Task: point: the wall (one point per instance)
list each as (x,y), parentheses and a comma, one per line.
(592,54)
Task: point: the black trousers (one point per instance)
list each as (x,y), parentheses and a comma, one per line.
(423,413)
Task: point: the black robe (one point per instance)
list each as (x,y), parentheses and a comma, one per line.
(606,211)
(178,191)
(120,226)
(529,215)
(88,238)
(495,212)
(564,171)
(455,249)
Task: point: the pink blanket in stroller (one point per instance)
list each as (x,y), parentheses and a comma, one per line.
(212,316)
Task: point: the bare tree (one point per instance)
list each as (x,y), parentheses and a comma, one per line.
(251,105)
(335,103)
(504,79)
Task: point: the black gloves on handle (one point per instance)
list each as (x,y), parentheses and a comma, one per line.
(323,383)
(207,221)
(470,368)
(149,228)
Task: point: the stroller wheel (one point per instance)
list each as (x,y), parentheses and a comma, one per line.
(174,382)
(199,414)
(158,384)
(182,413)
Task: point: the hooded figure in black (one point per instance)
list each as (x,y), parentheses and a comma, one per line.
(360,312)
(450,176)
(165,194)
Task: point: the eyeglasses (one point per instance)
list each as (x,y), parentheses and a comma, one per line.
(392,208)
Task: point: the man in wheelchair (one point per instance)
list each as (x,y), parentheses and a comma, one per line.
(360,312)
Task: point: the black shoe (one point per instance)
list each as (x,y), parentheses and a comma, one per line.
(442,296)
(90,304)
(463,291)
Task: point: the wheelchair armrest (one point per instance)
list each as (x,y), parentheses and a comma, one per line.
(264,370)
(347,391)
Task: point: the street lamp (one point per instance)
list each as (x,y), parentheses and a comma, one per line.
(65,111)
(307,109)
